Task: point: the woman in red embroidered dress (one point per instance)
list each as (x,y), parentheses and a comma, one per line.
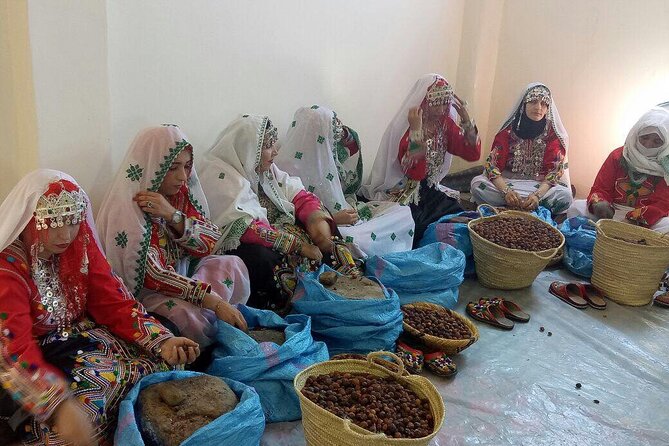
(154,227)
(632,183)
(527,162)
(73,339)
(266,216)
(416,151)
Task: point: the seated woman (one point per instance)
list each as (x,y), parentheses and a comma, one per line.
(266,216)
(74,341)
(528,158)
(632,183)
(154,227)
(417,149)
(326,156)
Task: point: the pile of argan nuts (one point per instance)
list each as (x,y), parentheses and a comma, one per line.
(378,404)
(519,233)
(439,323)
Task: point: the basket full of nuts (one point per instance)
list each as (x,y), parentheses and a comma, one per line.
(512,248)
(355,402)
(439,327)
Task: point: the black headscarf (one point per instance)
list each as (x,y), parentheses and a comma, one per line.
(526,128)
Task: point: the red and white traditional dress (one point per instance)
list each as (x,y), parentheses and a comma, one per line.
(632,179)
(169,273)
(68,325)
(526,163)
(262,215)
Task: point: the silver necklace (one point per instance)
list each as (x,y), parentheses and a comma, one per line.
(52,298)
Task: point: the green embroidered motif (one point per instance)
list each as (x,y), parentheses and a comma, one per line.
(393,236)
(482,186)
(337,207)
(228,282)
(298,155)
(320,139)
(311,189)
(170,304)
(3,316)
(373,236)
(168,159)
(292,124)
(134,172)
(349,239)
(280,184)
(411,233)
(329,176)
(140,269)
(365,213)
(314,107)
(121,239)
(221,176)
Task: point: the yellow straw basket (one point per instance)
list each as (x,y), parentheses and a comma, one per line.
(450,346)
(323,428)
(506,268)
(626,272)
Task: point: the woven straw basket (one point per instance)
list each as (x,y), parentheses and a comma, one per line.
(323,428)
(450,346)
(628,273)
(506,268)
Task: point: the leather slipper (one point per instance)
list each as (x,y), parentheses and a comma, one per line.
(593,296)
(662,300)
(510,309)
(490,314)
(570,293)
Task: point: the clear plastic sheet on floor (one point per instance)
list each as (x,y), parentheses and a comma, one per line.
(518,387)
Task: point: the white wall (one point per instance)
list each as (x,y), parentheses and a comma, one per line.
(201,64)
(69,47)
(606,62)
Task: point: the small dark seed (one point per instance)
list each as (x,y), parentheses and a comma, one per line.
(541,329)
(578,385)
(550,334)
(595,401)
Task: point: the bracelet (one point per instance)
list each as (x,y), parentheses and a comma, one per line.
(414,146)
(507,189)
(468,126)
(220,302)
(416,135)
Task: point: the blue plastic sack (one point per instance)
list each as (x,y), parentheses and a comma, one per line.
(348,325)
(244,425)
(454,234)
(268,367)
(432,273)
(579,236)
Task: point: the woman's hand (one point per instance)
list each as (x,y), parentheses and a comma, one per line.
(72,425)
(154,204)
(178,351)
(227,313)
(461,108)
(603,209)
(410,159)
(512,199)
(318,228)
(346,217)
(531,202)
(311,252)
(415,118)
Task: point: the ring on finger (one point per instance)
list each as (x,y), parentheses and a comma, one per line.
(149,204)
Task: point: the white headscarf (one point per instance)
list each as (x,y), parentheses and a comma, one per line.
(125,230)
(552,116)
(386,171)
(649,161)
(19,207)
(229,177)
(309,152)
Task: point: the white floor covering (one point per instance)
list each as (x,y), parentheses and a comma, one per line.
(519,387)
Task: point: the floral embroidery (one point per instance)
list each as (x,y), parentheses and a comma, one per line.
(134,172)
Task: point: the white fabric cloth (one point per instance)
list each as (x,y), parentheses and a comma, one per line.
(579,208)
(386,171)
(641,159)
(229,177)
(309,152)
(557,199)
(124,228)
(553,116)
(18,208)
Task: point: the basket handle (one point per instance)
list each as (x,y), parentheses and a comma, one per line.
(555,251)
(370,436)
(396,359)
(494,210)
